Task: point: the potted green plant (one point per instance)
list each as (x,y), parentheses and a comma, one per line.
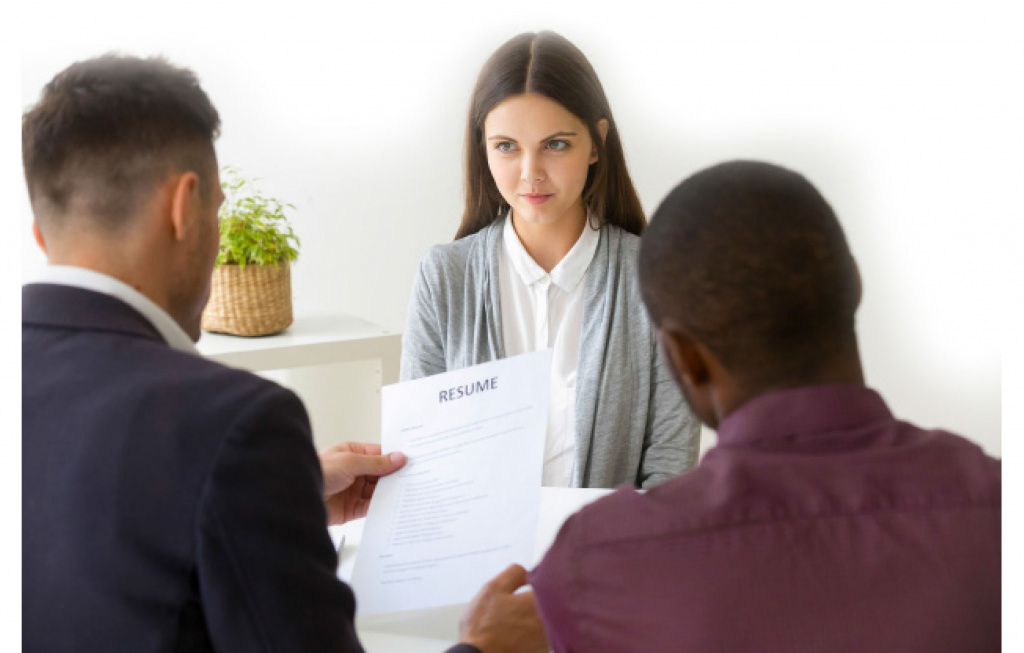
(251,289)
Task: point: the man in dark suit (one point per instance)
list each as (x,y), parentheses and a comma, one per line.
(169,503)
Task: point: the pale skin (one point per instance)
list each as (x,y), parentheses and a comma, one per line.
(156,252)
(498,620)
(539,154)
(167,252)
(351,471)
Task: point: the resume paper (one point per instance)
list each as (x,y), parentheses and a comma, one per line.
(465,505)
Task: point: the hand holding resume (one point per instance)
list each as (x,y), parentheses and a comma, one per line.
(465,506)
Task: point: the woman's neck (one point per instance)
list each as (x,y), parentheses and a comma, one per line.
(548,243)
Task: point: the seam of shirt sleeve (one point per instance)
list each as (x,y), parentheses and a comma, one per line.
(577,591)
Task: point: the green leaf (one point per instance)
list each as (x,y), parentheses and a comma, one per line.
(253,228)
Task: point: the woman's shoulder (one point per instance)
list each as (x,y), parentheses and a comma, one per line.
(444,259)
(626,236)
(625,246)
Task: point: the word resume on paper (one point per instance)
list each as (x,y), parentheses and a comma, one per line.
(465,505)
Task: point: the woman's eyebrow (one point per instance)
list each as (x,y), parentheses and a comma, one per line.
(546,138)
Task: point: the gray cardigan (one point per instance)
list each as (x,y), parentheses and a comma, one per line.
(632,423)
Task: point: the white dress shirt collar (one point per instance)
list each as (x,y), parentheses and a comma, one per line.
(570,270)
(171,331)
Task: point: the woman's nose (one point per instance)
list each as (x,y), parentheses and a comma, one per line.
(531,171)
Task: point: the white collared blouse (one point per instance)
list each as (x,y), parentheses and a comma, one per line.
(541,310)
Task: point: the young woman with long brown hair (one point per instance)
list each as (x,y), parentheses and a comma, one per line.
(546,257)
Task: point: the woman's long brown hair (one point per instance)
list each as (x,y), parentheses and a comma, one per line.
(547,64)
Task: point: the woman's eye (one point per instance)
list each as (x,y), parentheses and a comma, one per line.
(504,146)
(558,145)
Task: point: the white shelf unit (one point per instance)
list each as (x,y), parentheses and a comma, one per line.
(310,340)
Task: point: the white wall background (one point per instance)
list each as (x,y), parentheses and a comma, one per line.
(907,115)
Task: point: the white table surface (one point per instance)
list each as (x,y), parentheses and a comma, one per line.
(437,629)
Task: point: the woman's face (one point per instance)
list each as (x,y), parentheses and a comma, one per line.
(538,154)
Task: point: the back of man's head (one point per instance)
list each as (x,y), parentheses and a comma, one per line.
(749,259)
(105,132)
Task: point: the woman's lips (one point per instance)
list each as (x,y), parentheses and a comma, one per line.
(533,198)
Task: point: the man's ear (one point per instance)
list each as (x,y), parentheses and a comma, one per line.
(695,369)
(184,200)
(39,236)
(686,357)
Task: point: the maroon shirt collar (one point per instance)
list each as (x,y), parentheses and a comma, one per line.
(803,411)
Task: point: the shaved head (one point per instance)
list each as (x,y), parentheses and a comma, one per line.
(749,259)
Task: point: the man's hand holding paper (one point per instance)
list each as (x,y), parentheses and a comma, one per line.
(465,505)
(351,471)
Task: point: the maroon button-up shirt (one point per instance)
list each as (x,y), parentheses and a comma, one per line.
(818,523)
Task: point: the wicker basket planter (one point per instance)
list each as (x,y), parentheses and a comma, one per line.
(255,300)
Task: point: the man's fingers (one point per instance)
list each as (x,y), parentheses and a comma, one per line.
(367,448)
(363,465)
(522,597)
(508,581)
(521,603)
(369,485)
(359,509)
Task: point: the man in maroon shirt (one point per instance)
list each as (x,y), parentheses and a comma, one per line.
(819,522)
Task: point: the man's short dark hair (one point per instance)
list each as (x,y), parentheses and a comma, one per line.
(106,130)
(750,259)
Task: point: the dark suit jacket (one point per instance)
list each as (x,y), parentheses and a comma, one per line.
(169,502)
